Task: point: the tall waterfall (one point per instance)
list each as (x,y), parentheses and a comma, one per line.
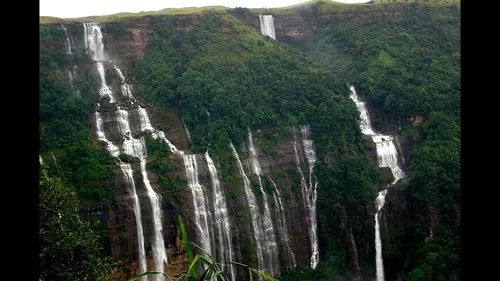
(201,210)
(254,212)
(130,146)
(282,229)
(222,221)
(309,193)
(269,238)
(267,25)
(387,156)
(159,250)
(70,70)
(95,48)
(378,242)
(129,178)
(67,43)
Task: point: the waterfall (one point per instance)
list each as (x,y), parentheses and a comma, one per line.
(282,229)
(95,48)
(137,148)
(187,131)
(201,211)
(378,242)
(113,149)
(172,147)
(269,238)
(130,146)
(222,220)
(129,178)
(71,72)
(387,156)
(67,43)
(309,193)
(93,41)
(267,25)
(144,118)
(159,251)
(122,121)
(71,75)
(254,212)
(126,90)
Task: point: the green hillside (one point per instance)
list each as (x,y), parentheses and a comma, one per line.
(403,59)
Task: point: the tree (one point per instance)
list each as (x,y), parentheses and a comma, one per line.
(69,249)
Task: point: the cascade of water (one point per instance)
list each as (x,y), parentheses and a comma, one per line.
(366,126)
(254,211)
(267,25)
(122,121)
(113,149)
(201,210)
(159,252)
(126,90)
(104,90)
(137,148)
(309,193)
(222,220)
(95,48)
(172,147)
(67,43)
(144,118)
(71,73)
(93,41)
(129,178)
(378,242)
(271,249)
(187,131)
(387,156)
(282,229)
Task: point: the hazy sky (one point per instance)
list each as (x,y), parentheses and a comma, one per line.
(79,8)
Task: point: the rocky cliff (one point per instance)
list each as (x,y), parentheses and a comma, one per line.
(127,40)
(123,43)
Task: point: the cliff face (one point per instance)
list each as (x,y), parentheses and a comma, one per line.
(127,40)
(280,165)
(124,42)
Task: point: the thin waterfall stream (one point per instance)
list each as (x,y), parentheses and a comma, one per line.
(387,156)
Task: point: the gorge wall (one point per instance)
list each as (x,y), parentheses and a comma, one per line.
(119,119)
(169,111)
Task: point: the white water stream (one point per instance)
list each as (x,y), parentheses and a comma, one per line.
(387,156)
(267,25)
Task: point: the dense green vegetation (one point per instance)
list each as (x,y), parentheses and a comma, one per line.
(69,148)
(224,77)
(69,249)
(252,81)
(418,75)
(405,59)
(65,126)
(435,183)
